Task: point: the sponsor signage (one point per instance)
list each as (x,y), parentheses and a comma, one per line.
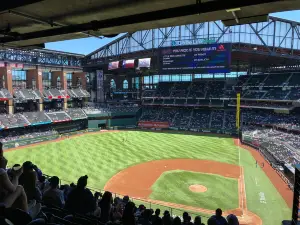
(152,124)
(193,42)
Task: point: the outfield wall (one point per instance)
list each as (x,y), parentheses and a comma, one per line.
(28,141)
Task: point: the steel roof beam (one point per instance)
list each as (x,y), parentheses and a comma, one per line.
(48,22)
(187,10)
(11,4)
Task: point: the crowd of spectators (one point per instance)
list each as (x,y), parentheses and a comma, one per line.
(287,121)
(27,94)
(76,113)
(18,135)
(217,118)
(4,93)
(265,104)
(115,108)
(12,120)
(282,145)
(283,86)
(23,119)
(36,117)
(27,196)
(225,119)
(78,93)
(187,118)
(58,116)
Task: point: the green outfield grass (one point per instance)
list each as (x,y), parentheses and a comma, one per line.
(273,209)
(101,156)
(178,181)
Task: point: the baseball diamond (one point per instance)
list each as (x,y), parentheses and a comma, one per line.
(160,173)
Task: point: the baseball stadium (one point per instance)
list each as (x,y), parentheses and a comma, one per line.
(172,122)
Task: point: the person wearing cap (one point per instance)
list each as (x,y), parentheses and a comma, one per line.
(53,195)
(80,199)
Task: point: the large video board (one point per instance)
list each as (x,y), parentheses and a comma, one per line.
(206,58)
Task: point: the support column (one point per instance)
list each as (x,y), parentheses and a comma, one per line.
(63,80)
(6,73)
(36,74)
(81,76)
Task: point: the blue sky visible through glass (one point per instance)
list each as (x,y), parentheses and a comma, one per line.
(87,45)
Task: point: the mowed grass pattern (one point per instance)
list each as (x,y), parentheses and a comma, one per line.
(100,156)
(173,186)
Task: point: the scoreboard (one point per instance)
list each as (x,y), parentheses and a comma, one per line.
(206,58)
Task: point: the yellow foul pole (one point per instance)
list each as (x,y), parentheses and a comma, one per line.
(238,106)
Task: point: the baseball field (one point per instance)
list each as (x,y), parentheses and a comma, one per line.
(196,173)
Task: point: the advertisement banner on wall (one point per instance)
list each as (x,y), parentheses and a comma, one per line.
(152,124)
(100,90)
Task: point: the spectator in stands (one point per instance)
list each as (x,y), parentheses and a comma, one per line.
(117,212)
(232,220)
(167,219)
(145,218)
(81,199)
(177,221)
(185,217)
(156,220)
(140,210)
(11,194)
(128,215)
(38,171)
(1,150)
(66,189)
(197,220)
(97,197)
(43,184)
(29,181)
(54,196)
(212,221)
(105,205)
(219,218)
(125,200)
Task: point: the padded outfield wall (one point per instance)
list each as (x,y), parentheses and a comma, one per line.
(116,119)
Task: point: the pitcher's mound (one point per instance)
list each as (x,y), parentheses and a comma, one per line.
(197,188)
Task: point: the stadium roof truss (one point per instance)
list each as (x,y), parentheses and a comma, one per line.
(34,22)
(41,57)
(276,37)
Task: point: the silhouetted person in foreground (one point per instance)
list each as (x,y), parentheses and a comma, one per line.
(156,220)
(219,218)
(167,219)
(128,214)
(105,205)
(80,199)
